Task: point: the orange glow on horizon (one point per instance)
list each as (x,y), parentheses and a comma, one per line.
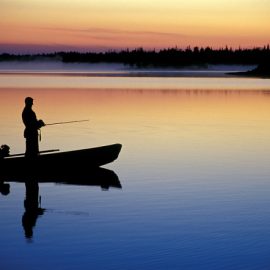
(116,24)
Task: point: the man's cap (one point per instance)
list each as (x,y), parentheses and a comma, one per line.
(28,99)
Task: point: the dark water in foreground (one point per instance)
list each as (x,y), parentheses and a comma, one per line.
(194,171)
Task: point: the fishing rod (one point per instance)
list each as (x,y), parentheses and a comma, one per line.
(66,122)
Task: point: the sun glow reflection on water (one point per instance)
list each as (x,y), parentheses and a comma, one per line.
(194,170)
(118,81)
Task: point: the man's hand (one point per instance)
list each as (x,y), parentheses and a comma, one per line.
(41,123)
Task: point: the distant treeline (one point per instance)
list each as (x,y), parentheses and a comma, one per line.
(174,57)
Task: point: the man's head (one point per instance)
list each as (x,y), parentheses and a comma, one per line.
(28,101)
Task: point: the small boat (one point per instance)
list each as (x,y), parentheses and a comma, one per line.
(60,163)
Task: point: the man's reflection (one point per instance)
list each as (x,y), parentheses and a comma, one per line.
(32,208)
(101,177)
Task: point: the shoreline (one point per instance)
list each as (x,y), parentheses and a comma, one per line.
(249,74)
(261,71)
(144,74)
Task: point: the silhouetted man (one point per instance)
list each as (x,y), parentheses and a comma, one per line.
(32,125)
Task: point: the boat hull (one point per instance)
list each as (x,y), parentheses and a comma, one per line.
(61,163)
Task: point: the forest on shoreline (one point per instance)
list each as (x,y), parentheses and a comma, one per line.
(141,58)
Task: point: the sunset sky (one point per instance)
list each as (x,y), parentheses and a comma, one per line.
(99,25)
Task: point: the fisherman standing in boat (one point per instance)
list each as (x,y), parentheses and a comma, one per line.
(32,125)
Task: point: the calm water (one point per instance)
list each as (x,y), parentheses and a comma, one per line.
(194,171)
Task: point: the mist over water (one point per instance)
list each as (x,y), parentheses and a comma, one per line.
(113,69)
(115,76)
(56,66)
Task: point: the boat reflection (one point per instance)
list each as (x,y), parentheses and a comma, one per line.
(95,177)
(4,188)
(101,177)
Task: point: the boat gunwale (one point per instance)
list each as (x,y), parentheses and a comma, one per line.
(70,152)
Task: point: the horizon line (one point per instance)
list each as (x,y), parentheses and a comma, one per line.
(32,49)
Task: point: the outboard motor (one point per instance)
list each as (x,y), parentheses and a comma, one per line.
(4,151)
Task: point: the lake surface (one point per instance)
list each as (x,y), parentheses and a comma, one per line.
(194,171)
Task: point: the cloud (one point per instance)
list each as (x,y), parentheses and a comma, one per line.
(103,33)
(20,48)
